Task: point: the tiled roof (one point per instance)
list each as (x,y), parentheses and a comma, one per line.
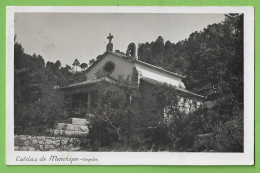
(159,68)
(88,82)
(125,57)
(155,82)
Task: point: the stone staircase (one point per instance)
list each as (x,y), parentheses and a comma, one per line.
(73,127)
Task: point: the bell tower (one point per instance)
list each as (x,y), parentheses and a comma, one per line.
(110,44)
(131,51)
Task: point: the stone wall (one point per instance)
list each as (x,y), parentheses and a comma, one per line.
(45,143)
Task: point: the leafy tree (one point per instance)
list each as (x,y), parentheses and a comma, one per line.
(91,61)
(116,116)
(50,65)
(83,66)
(78,77)
(177,130)
(67,67)
(57,64)
(36,101)
(66,72)
(18,51)
(40,103)
(76,63)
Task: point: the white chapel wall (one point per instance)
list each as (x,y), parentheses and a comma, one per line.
(122,67)
(158,75)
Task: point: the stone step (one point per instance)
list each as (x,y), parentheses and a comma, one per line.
(69,133)
(71,127)
(77,121)
(60,126)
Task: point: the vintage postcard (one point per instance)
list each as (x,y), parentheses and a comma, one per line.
(130,86)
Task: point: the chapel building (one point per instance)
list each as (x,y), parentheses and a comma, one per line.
(83,96)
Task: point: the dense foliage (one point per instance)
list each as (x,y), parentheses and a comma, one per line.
(37,103)
(212,60)
(116,117)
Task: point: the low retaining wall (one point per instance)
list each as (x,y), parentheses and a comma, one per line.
(45,143)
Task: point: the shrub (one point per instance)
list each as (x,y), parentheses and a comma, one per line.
(226,137)
(101,134)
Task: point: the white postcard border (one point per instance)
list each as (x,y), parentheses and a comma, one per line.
(135,158)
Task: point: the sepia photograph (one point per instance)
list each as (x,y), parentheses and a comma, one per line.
(117,82)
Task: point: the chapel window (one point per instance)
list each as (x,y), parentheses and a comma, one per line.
(109,67)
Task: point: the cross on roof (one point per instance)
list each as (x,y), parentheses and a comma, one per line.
(110,37)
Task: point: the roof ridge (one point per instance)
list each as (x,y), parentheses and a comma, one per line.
(91,81)
(160,68)
(125,57)
(178,88)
